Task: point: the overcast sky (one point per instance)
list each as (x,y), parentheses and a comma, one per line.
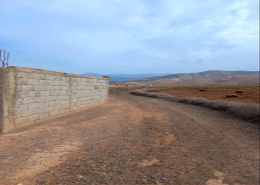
(131,36)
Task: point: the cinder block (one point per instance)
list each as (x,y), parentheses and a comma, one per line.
(33,81)
(43,104)
(21,107)
(40,99)
(64,79)
(22,94)
(79,95)
(63,102)
(62,93)
(54,93)
(39,87)
(20,120)
(39,76)
(22,81)
(53,103)
(44,115)
(48,77)
(45,93)
(42,82)
(50,98)
(18,102)
(38,110)
(25,75)
(17,114)
(20,75)
(34,117)
(50,82)
(57,78)
(55,83)
(53,113)
(34,93)
(67,111)
(18,87)
(83,83)
(26,88)
(64,88)
(64,98)
(26,113)
(48,88)
(29,100)
(62,111)
(63,83)
(48,109)
(57,107)
(57,88)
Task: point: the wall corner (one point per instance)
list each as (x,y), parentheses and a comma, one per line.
(8,102)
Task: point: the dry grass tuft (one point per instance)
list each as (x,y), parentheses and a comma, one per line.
(246,112)
(152,95)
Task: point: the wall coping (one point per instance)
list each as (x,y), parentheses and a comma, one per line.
(42,71)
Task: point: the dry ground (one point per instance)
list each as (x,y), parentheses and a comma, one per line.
(134,140)
(250,93)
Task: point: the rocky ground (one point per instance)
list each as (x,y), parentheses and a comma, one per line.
(134,140)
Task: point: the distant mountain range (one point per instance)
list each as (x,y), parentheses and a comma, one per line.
(125,77)
(201,78)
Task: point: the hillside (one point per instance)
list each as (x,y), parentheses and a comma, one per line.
(201,78)
(124,77)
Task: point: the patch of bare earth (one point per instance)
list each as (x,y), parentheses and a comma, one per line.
(134,140)
(244,93)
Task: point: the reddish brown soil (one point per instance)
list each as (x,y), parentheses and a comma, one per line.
(133,140)
(250,93)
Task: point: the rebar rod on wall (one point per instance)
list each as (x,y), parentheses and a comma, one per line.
(4,58)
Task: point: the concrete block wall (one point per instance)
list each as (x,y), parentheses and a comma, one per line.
(31,95)
(88,91)
(1,98)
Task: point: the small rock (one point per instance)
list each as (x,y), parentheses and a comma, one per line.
(145,181)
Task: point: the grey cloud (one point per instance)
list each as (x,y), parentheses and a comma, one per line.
(133,35)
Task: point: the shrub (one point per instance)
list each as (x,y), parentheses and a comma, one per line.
(153,90)
(246,112)
(152,95)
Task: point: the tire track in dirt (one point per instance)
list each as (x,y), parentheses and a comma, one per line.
(216,135)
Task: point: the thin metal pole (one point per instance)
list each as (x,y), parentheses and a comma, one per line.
(7,61)
(4,58)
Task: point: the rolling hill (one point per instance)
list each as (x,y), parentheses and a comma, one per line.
(124,77)
(201,78)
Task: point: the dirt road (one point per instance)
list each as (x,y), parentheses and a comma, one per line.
(134,140)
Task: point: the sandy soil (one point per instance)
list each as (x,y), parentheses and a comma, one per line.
(133,140)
